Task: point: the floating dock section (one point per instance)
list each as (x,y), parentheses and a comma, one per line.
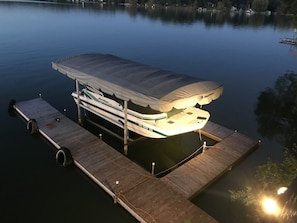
(147,198)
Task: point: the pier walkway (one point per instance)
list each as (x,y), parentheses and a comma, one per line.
(204,169)
(147,198)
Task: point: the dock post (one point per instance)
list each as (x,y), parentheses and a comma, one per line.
(78,102)
(116,193)
(200,137)
(125,128)
(204,146)
(153,168)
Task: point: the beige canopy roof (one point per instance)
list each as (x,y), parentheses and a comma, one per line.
(143,85)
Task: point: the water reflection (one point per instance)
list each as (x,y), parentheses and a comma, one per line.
(179,15)
(276,110)
(209,18)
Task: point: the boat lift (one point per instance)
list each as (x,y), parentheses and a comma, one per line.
(125,124)
(144,85)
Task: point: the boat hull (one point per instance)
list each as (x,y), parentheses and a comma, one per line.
(153,126)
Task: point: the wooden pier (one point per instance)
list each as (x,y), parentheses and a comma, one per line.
(214,161)
(147,198)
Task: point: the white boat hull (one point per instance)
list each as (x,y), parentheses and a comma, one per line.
(148,125)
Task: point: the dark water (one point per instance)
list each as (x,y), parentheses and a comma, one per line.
(242,53)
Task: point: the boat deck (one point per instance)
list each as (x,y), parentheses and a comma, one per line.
(147,198)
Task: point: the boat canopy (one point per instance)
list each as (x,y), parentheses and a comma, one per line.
(144,85)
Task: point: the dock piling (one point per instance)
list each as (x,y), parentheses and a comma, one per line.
(116,193)
(126,127)
(200,136)
(153,168)
(78,103)
(204,147)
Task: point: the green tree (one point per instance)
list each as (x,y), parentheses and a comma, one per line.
(273,5)
(220,5)
(260,5)
(132,2)
(269,178)
(288,6)
(277,118)
(227,3)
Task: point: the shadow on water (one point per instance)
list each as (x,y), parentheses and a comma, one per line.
(276,111)
(166,153)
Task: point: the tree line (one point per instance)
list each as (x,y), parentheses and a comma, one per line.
(278,6)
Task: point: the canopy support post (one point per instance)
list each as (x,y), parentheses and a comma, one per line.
(78,102)
(125,128)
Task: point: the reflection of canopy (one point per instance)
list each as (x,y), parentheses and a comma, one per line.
(143,85)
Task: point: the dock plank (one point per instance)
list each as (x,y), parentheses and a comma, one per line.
(215,131)
(172,204)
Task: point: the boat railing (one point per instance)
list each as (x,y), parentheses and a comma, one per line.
(192,155)
(114,104)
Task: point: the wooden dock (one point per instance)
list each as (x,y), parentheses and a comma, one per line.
(147,198)
(205,168)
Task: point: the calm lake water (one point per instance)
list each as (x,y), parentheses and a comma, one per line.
(240,52)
